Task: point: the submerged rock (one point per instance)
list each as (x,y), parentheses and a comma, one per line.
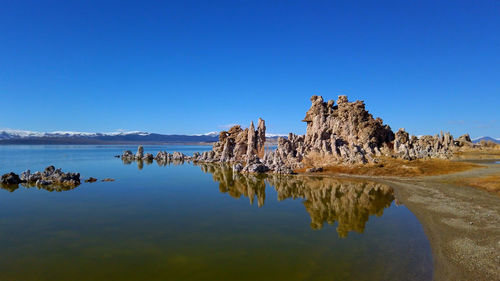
(91,179)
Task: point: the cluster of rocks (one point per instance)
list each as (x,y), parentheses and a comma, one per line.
(238,145)
(161,157)
(346,133)
(139,155)
(243,147)
(337,133)
(164,156)
(50,176)
(439,146)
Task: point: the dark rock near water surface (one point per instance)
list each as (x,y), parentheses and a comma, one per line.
(49,176)
(11,178)
(91,179)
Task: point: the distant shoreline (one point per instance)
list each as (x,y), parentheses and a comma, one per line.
(33,142)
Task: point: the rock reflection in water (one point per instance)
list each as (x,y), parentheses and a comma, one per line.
(147,161)
(50,188)
(236,185)
(140,163)
(350,203)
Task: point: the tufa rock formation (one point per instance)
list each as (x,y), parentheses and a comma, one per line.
(410,148)
(347,133)
(50,176)
(237,145)
(343,133)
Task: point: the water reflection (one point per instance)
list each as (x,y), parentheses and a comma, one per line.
(140,163)
(327,200)
(350,203)
(50,188)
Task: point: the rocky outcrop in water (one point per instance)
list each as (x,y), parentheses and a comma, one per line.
(139,155)
(338,133)
(50,176)
(11,178)
(140,152)
(237,145)
(127,155)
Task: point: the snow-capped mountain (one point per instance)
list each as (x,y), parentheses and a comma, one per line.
(211,134)
(14,134)
(476,140)
(275,135)
(8,136)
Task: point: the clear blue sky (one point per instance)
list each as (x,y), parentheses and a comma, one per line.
(198,66)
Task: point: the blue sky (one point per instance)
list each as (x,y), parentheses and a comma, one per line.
(196,66)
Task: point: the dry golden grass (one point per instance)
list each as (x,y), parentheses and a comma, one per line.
(388,167)
(490,183)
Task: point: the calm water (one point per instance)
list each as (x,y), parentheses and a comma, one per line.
(187,222)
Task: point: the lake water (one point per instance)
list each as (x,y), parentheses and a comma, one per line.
(200,222)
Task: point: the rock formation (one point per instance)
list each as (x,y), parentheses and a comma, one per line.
(11,178)
(50,176)
(410,148)
(140,152)
(347,133)
(344,133)
(237,145)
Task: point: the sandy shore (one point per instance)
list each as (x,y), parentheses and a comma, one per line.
(462,223)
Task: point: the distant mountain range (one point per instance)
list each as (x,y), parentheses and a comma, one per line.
(135,137)
(477,140)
